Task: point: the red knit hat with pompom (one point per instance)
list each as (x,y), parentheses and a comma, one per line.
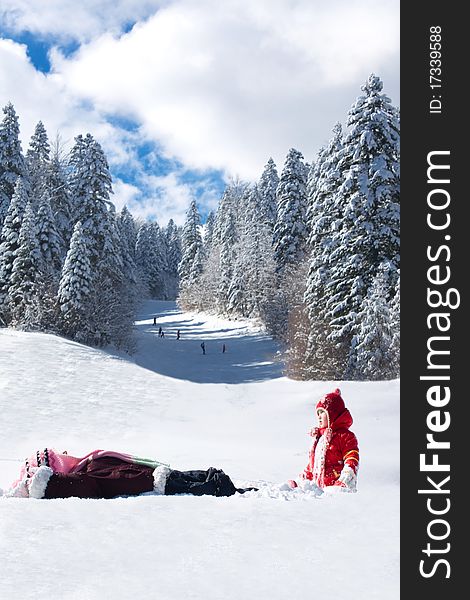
(333,404)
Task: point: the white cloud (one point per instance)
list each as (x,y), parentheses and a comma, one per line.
(125,194)
(215,85)
(71,19)
(37,96)
(227,84)
(45,97)
(163,197)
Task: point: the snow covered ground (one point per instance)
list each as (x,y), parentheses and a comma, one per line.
(234,411)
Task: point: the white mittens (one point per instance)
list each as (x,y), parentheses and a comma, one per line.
(348,478)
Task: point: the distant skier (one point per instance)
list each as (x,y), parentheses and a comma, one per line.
(160,332)
(203,346)
(154,320)
(223,349)
(178,334)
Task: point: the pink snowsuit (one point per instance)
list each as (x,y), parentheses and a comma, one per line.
(63,463)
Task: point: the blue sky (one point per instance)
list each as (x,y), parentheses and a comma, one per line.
(37,49)
(185,95)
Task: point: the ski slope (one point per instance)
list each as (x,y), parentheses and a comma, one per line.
(232,410)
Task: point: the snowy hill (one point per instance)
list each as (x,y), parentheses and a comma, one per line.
(232,410)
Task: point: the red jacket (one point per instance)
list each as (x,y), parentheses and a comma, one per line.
(337,449)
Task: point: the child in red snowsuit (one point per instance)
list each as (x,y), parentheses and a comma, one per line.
(334,456)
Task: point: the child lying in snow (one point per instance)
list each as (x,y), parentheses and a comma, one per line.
(334,456)
(105,474)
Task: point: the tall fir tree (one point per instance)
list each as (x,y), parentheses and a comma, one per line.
(227,244)
(190,266)
(9,242)
(173,244)
(369,201)
(230,206)
(325,177)
(209,232)
(38,163)
(50,244)
(324,217)
(208,282)
(91,188)
(267,187)
(76,285)
(159,264)
(128,229)
(22,292)
(151,260)
(290,230)
(144,256)
(235,246)
(60,195)
(12,164)
(258,258)
(221,270)
(112,301)
(111,263)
